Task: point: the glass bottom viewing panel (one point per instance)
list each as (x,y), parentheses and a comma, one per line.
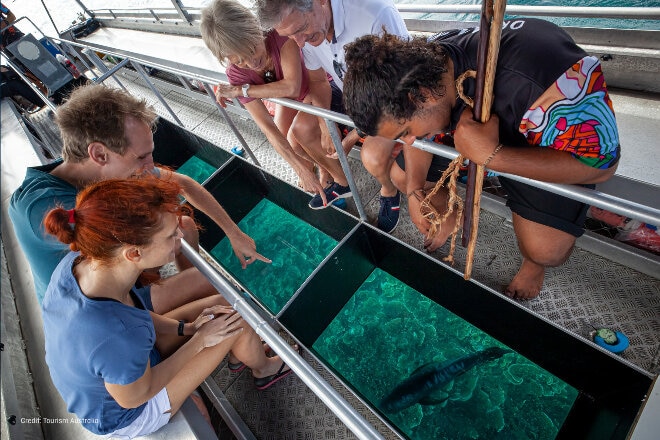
(295,247)
(434,375)
(197,169)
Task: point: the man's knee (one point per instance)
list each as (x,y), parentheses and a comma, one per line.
(376,154)
(550,251)
(542,244)
(305,129)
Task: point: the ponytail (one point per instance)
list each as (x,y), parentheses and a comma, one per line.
(58,223)
(115,212)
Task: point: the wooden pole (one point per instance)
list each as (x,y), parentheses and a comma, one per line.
(490,31)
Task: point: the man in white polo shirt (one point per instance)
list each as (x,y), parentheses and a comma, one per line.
(322,28)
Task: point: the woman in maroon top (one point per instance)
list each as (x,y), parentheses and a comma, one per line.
(268,66)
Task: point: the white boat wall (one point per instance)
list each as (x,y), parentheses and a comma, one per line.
(605,283)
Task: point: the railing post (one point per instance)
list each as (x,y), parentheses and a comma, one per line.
(139,69)
(223,112)
(336,141)
(112,71)
(91,55)
(181,11)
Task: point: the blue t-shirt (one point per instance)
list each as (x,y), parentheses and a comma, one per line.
(93,341)
(39,193)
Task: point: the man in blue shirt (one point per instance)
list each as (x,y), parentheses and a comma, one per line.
(107,134)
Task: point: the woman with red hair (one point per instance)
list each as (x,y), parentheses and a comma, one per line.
(121,368)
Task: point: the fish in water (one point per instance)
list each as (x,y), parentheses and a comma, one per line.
(428,379)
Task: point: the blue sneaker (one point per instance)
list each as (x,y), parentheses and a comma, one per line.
(388,216)
(340,203)
(333,193)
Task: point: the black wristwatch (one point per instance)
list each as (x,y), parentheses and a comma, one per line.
(180,328)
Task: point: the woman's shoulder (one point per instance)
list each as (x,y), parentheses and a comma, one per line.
(275,40)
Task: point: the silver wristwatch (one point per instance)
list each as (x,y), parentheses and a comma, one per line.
(245,88)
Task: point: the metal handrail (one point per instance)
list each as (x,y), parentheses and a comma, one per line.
(618,205)
(546,11)
(634,13)
(346,413)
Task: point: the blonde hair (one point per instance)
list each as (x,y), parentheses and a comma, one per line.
(229,28)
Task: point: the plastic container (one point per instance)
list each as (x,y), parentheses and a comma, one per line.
(73,70)
(612,219)
(612,340)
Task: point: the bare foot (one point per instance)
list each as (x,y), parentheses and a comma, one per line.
(528,281)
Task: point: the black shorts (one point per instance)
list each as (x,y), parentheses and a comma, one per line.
(337,105)
(531,203)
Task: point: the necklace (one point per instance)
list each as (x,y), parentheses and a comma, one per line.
(269,70)
(269,76)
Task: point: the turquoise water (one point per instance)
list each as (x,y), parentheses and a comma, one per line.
(197,169)
(296,248)
(66,10)
(569,21)
(387,330)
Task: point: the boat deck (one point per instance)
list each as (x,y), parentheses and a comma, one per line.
(589,290)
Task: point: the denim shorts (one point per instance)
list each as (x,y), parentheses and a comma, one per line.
(154,416)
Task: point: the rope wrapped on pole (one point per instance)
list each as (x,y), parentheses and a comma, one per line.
(492,17)
(490,32)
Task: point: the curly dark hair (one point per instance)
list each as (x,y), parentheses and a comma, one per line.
(386,75)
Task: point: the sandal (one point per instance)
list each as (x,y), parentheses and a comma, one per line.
(262,383)
(236,367)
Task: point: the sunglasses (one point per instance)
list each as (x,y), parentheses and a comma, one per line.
(269,76)
(339,69)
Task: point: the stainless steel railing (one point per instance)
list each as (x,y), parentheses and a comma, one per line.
(337,404)
(319,386)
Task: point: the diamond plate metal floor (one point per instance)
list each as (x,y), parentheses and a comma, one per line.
(587,290)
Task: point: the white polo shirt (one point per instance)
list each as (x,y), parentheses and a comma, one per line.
(352,19)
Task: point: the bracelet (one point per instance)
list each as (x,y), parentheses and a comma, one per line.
(180,328)
(417,196)
(492,155)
